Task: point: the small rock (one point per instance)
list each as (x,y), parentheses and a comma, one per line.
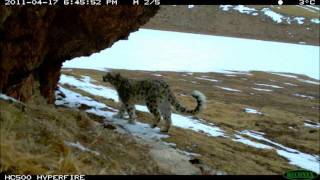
(194,145)
(61,94)
(312,131)
(201,131)
(195,161)
(109,126)
(84,107)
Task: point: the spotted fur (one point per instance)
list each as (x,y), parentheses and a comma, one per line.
(155,94)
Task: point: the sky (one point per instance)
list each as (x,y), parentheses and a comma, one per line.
(157,50)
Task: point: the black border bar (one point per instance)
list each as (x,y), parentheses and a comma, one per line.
(147,177)
(155,2)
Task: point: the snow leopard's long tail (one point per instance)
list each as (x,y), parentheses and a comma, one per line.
(201,103)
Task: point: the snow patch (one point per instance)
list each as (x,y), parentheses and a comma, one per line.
(228,89)
(300,20)
(225,7)
(309,81)
(232,72)
(244,9)
(268,85)
(306,8)
(187,122)
(189,154)
(295,157)
(259,89)
(273,15)
(250,143)
(87,79)
(303,96)
(74,100)
(158,75)
(311,124)
(314,7)
(315,20)
(200,50)
(81,147)
(285,75)
(252,111)
(85,85)
(290,127)
(296,77)
(240,8)
(279,18)
(5,97)
(230,75)
(290,84)
(195,125)
(207,79)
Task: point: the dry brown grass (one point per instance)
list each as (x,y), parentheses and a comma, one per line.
(209,19)
(289,10)
(33,142)
(225,109)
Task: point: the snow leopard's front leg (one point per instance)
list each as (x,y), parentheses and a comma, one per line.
(132,112)
(121,112)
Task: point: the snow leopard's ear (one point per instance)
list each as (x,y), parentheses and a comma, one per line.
(117,76)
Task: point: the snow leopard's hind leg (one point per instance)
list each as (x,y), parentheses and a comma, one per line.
(153,108)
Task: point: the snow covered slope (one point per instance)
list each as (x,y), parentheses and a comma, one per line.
(172,51)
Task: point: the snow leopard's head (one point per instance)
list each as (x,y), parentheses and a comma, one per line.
(113,78)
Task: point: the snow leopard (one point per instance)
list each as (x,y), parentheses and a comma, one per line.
(155,94)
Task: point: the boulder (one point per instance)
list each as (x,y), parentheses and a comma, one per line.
(35,41)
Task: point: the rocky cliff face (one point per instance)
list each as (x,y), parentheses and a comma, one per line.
(35,41)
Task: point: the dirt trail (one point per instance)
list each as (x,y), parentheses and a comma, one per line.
(169,159)
(166,155)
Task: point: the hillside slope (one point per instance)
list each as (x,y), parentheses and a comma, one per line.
(268,23)
(255,123)
(48,140)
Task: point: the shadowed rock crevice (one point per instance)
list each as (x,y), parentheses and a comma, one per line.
(35,41)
